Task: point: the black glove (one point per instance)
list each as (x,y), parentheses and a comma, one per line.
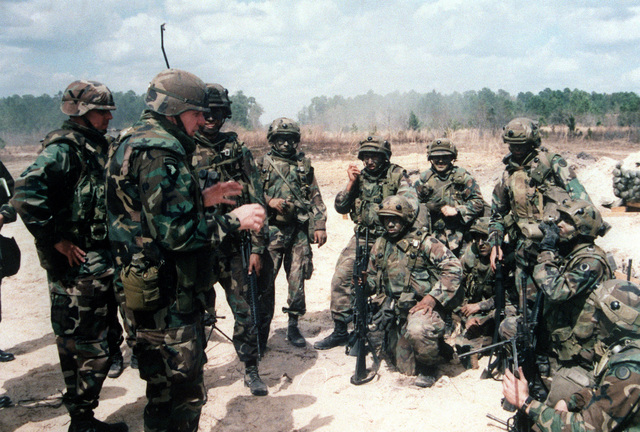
(550,237)
(383,319)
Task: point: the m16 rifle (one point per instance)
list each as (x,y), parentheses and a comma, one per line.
(251,280)
(497,361)
(359,343)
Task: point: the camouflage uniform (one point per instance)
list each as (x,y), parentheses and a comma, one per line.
(233,161)
(163,240)
(456,188)
(61,196)
(9,215)
(290,233)
(405,270)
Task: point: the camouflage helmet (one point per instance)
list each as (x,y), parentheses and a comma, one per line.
(174,91)
(584,216)
(374,144)
(619,301)
(82,96)
(521,131)
(283,126)
(481,226)
(397,205)
(218,97)
(442,147)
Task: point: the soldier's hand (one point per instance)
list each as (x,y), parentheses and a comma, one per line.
(278,204)
(515,390)
(74,254)
(551,234)
(496,255)
(471,322)
(470,309)
(561,406)
(449,211)
(320,237)
(219,193)
(353,172)
(255,264)
(425,305)
(251,216)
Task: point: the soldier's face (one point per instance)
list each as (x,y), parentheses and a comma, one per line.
(394,225)
(192,121)
(99,119)
(484,248)
(285,144)
(566,228)
(520,151)
(441,163)
(213,121)
(372,161)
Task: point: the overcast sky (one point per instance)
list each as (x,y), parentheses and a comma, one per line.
(285,52)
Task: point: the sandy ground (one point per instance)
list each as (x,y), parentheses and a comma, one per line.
(309,390)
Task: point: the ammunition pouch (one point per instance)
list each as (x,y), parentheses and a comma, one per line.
(9,256)
(530,230)
(141,285)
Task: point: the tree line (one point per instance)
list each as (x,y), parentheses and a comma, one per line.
(484,109)
(30,114)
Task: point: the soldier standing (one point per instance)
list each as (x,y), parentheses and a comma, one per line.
(297,215)
(420,281)
(365,190)
(570,267)
(613,404)
(223,154)
(450,193)
(60,199)
(163,239)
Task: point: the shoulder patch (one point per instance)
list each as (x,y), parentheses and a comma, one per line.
(562,162)
(172,169)
(622,373)
(584,267)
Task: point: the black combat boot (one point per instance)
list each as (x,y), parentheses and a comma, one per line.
(6,356)
(117,365)
(5,401)
(293,333)
(427,376)
(253,381)
(339,337)
(87,423)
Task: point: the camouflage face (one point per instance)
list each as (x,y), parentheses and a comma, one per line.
(372,161)
(583,216)
(442,147)
(480,233)
(394,225)
(374,144)
(618,303)
(218,97)
(174,91)
(82,96)
(285,145)
(397,205)
(214,120)
(521,131)
(283,126)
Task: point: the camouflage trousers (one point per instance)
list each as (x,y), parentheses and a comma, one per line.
(452,238)
(127,317)
(170,350)
(416,340)
(80,321)
(231,276)
(341,283)
(289,245)
(526,258)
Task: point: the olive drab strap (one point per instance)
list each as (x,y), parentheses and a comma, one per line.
(294,190)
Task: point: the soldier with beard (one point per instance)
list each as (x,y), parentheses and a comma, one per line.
(418,279)
(365,190)
(61,201)
(297,215)
(222,153)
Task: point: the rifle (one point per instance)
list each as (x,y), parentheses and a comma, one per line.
(360,344)
(252,282)
(499,314)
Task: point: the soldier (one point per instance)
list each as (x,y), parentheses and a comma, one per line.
(60,199)
(7,215)
(613,403)
(222,154)
(570,267)
(365,190)
(533,184)
(450,193)
(419,279)
(163,239)
(478,309)
(297,215)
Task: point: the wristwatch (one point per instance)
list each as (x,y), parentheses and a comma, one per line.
(526,404)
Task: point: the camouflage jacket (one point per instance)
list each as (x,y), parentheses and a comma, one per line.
(408,269)
(566,283)
(233,161)
(456,188)
(61,196)
(293,180)
(528,192)
(612,405)
(156,211)
(479,280)
(6,209)
(361,202)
